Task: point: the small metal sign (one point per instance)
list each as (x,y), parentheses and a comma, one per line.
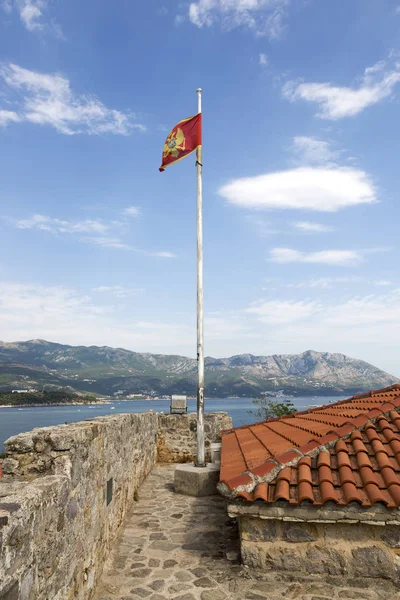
(109,490)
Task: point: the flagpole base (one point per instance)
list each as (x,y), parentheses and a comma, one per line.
(191,480)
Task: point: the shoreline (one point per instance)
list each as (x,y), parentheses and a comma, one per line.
(41,405)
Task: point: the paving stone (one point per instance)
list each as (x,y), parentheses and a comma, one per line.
(355,594)
(183,576)
(199,571)
(255,596)
(168,564)
(142,573)
(141,592)
(157,585)
(154,562)
(137,565)
(178,588)
(158,536)
(213,595)
(184,597)
(163,546)
(204,582)
(157,597)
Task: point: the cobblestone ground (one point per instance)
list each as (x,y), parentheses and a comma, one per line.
(181,548)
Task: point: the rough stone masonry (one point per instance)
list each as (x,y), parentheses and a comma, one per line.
(66,491)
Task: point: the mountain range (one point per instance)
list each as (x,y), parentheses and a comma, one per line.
(108,371)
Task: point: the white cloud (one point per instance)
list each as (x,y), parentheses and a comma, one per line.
(263,59)
(340,258)
(31,13)
(319,189)
(311,151)
(277,312)
(132,211)
(264,17)
(383,283)
(308,227)
(45,223)
(60,314)
(97,232)
(48,100)
(119,291)
(337,102)
(325,283)
(8,116)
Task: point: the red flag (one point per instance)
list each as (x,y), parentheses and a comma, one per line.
(184,139)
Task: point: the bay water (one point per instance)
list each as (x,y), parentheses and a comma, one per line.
(15,420)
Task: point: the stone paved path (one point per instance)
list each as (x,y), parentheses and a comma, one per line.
(176,547)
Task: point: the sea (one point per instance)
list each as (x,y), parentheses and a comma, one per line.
(16,420)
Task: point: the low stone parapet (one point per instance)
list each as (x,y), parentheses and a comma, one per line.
(177,435)
(349,543)
(66,490)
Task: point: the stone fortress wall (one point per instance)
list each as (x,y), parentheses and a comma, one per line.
(66,490)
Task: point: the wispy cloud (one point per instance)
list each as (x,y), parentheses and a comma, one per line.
(340,258)
(280,312)
(308,227)
(264,17)
(61,314)
(132,211)
(318,189)
(97,232)
(31,13)
(327,283)
(312,151)
(118,291)
(45,223)
(7,117)
(46,99)
(263,59)
(337,102)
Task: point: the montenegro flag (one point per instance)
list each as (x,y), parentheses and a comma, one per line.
(184,139)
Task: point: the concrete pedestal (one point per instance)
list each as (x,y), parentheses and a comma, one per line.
(196,481)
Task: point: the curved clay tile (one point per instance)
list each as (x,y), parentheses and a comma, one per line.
(325,474)
(375,494)
(305,491)
(261,492)
(328,492)
(351,493)
(390,476)
(368,476)
(346,475)
(363,460)
(324,458)
(359,445)
(394,491)
(282,491)
(343,459)
(341,446)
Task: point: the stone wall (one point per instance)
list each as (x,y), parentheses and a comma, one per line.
(57,523)
(346,544)
(66,491)
(177,439)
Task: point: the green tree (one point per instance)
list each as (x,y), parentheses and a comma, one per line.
(269,407)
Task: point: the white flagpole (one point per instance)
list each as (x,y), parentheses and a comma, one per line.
(200,306)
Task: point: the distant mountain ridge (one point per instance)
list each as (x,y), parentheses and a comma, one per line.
(105,370)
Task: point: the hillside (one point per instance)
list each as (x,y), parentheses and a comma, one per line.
(105,370)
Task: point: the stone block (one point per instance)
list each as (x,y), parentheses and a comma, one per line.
(10,592)
(299,532)
(196,481)
(372,561)
(257,530)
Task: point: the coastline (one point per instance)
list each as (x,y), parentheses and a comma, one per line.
(44,405)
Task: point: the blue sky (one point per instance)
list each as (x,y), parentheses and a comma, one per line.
(301,145)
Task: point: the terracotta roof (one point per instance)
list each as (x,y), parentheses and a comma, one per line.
(343,452)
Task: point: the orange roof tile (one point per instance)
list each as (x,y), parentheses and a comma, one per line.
(344,452)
